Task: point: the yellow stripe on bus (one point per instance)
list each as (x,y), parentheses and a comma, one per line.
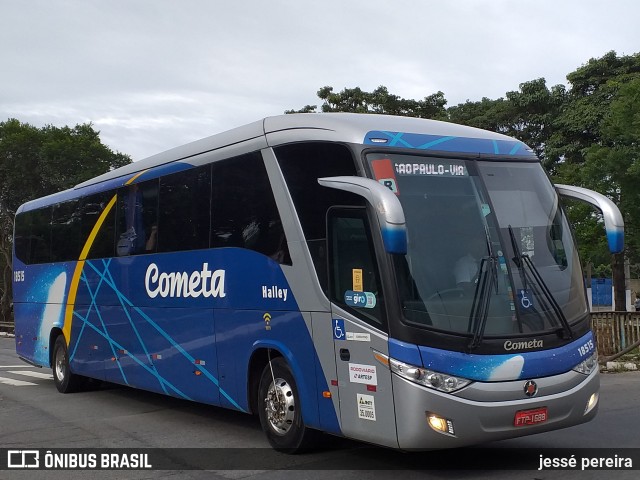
(133,179)
(75,281)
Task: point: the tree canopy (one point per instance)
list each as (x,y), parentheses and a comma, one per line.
(35,162)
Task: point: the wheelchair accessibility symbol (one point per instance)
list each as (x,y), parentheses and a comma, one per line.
(525,300)
(338,329)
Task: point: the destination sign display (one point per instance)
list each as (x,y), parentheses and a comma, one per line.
(434,168)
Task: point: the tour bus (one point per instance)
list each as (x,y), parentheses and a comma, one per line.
(404,282)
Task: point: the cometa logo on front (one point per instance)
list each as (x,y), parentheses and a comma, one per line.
(535,343)
(184,284)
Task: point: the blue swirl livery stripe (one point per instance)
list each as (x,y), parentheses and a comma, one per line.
(419,141)
(497,368)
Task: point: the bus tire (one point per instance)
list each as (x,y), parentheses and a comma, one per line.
(280,411)
(65,380)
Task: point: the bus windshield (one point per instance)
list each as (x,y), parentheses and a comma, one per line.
(490,252)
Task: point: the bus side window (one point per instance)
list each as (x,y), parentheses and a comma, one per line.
(93,206)
(40,247)
(137,219)
(65,231)
(243,209)
(184,212)
(301,165)
(22,241)
(354,279)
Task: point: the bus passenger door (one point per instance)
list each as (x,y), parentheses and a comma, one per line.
(358,322)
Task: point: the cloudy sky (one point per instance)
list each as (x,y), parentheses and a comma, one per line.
(154,74)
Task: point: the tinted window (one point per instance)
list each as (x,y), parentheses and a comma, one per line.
(302,164)
(22,239)
(93,208)
(184,214)
(355,281)
(65,231)
(137,225)
(40,245)
(243,210)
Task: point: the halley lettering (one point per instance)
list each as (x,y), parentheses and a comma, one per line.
(274,291)
(184,284)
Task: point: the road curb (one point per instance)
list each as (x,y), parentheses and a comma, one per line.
(620,367)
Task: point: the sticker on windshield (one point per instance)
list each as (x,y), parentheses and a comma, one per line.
(524,296)
(502,262)
(486,209)
(383,172)
(360,299)
(390,183)
(358,282)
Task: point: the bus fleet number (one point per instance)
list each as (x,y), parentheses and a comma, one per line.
(18,275)
(586,348)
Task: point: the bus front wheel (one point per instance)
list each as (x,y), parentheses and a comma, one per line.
(66,382)
(279,409)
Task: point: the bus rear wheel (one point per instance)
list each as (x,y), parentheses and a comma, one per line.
(279,409)
(66,382)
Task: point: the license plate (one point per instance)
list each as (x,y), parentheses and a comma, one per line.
(530,417)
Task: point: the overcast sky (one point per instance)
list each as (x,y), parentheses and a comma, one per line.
(154,74)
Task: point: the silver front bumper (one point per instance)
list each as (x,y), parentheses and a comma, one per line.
(484,412)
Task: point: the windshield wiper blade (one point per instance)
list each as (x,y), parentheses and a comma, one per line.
(549,296)
(521,260)
(517,259)
(481,301)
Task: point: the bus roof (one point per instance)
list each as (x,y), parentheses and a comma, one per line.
(372,129)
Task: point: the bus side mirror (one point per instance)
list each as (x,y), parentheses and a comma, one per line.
(613,222)
(385,203)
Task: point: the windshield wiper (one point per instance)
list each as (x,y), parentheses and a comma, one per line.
(517,259)
(521,260)
(481,301)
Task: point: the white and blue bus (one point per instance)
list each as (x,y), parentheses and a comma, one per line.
(399,281)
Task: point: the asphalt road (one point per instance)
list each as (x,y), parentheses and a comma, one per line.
(185,435)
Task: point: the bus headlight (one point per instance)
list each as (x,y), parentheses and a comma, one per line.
(588,365)
(593,401)
(423,376)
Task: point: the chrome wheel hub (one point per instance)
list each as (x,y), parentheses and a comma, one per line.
(280,406)
(60,365)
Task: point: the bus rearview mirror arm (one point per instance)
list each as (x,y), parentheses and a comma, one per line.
(613,221)
(384,201)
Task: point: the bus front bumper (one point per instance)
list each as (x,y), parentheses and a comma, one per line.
(484,412)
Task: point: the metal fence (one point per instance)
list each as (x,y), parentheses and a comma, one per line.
(615,331)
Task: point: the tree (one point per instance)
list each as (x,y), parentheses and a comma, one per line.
(486,114)
(582,150)
(35,162)
(593,86)
(527,114)
(616,161)
(379,101)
